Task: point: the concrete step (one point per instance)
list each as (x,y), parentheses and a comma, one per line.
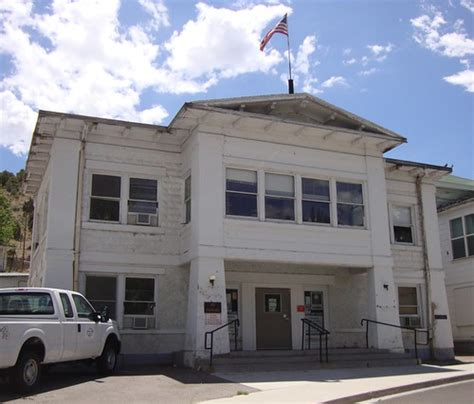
(289,366)
(298,352)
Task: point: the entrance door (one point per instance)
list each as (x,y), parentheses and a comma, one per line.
(273,318)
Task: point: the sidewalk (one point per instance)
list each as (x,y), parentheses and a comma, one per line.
(342,385)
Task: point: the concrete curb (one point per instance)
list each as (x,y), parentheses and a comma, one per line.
(400,389)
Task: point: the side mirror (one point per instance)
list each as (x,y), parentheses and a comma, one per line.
(105,314)
(95,316)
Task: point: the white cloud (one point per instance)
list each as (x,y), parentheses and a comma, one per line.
(16,123)
(434,33)
(380,52)
(429,32)
(469,4)
(223,43)
(86,61)
(349,61)
(464,78)
(158,12)
(305,50)
(368,72)
(347,51)
(335,81)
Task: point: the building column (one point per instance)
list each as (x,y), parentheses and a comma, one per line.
(206,285)
(383,307)
(381,286)
(442,334)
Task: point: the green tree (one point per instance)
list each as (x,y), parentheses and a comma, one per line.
(7,222)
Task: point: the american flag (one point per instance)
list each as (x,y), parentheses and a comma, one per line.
(280,28)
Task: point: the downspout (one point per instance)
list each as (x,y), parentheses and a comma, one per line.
(426,265)
(78,216)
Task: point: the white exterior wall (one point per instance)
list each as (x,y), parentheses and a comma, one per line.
(459,278)
(409,265)
(356,268)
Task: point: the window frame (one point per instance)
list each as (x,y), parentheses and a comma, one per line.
(256,194)
(419,305)
(154,302)
(114,199)
(412,208)
(464,236)
(363,204)
(330,202)
(103,275)
(187,199)
(156,201)
(294,198)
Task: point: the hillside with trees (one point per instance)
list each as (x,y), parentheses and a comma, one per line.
(16,222)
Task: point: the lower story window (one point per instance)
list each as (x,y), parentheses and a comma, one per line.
(139,296)
(101,291)
(408,306)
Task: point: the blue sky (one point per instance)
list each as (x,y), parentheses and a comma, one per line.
(404,64)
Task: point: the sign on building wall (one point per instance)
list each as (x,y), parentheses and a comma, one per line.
(213,313)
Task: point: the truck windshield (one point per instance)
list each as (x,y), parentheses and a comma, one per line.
(26,303)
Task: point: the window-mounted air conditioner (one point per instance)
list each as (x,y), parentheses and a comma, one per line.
(140,323)
(143,218)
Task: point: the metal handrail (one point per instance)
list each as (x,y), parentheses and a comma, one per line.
(321,331)
(210,347)
(415,331)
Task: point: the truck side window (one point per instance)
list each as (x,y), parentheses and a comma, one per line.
(84,309)
(67,308)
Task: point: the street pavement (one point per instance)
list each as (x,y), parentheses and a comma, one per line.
(458,393)
(157,384)
(340,385)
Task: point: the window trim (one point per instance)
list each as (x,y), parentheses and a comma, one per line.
(294,198)
(392,206)
(419,303)
(154,302)
(257,194)
(463,236)
(123,201)
(115,199)
(329,202)
(363,204)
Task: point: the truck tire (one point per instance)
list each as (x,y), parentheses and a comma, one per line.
(108,360)
(25,376)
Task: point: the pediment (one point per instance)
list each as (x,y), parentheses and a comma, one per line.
(303,108)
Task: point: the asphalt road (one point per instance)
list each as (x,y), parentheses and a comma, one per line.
(455,393)
(79,383)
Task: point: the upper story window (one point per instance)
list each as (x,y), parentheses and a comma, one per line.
(143,202)
(462,236)
(241,192)
(316,201)
(408,306)
(279,197)
(350,204)
(402,224)
(105,198)
(187,199)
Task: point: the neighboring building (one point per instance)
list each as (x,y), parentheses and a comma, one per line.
(455,199)
(273,207)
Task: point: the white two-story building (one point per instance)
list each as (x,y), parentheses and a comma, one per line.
(265,209)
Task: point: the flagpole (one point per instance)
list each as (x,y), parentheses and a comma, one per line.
(291,89)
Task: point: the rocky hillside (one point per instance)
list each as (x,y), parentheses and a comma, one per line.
(16,221)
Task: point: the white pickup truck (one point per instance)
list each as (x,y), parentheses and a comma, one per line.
(41,326)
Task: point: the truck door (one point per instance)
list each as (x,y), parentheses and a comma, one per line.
(89,336)
(69,326)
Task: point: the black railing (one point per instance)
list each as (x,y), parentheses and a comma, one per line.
(415,332)
(210,346)
(306,326)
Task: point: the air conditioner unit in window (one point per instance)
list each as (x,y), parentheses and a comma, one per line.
(140,323)
(143,218)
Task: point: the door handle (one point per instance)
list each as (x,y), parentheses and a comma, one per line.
(78,328)
(285,316)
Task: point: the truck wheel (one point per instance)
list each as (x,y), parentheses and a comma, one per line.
(108,360)
(26,374)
